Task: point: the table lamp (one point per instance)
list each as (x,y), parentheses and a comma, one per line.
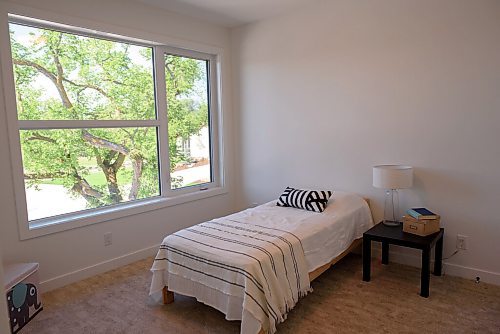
(391,178)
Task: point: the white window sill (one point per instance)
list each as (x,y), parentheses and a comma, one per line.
(79,219)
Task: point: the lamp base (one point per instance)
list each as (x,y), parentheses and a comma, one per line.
(391,223)
(391,208)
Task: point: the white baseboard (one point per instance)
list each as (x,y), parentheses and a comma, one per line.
(98,268)
(448,268)
(398,257)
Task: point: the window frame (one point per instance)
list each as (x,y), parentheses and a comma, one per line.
(167,197)
(213,104)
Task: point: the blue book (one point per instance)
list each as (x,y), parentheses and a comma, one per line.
(422,213)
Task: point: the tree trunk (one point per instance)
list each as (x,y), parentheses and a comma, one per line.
(112,181)
(137,162)
(110,171)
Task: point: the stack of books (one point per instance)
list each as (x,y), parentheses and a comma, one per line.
(421,221)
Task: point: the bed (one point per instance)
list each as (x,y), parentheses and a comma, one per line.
(256,264)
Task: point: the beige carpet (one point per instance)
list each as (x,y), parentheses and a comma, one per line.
(116,302)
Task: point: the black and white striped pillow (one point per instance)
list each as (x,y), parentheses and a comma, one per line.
(311,200)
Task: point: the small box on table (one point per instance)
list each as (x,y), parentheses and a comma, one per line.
(23,296)
(420,227)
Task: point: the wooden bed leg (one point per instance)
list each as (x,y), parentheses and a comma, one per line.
(168,296)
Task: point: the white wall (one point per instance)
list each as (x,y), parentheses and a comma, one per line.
(329,91)
(74,254)
(4,317)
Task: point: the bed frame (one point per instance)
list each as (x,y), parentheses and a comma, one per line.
(168,296)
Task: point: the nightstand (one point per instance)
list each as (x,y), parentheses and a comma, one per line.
(394,235)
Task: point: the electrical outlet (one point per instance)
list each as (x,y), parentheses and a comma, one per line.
(462,242)
(108,239)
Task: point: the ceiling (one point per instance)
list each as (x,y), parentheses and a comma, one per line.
(228,13)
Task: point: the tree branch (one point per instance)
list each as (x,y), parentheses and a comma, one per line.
(118,162)
(38,67)
(82,187)
(37,176)
(172,77)
(89,86)
(93,87)
(59,82)
(36,136)
(52,77)
(103,143)
(170,72)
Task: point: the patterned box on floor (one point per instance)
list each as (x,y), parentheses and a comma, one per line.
(23,297)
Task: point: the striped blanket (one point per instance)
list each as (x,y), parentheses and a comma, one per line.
(264,266)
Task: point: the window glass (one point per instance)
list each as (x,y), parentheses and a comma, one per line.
(188,105)
(62,76)
(73,170)
(64,80)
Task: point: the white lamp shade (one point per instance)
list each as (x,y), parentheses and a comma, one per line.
(392,176)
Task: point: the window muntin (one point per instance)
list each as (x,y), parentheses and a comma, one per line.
(152,115)
(188,100)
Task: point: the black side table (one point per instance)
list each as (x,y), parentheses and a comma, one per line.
(395,235)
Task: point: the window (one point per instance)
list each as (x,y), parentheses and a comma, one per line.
(106,121)
(188,120)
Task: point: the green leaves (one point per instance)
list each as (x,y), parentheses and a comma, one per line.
(103,79)
(187,98)
(62,76)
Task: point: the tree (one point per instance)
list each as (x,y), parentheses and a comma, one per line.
(96,79)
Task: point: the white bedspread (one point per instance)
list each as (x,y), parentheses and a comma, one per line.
(253,265)
(326,235)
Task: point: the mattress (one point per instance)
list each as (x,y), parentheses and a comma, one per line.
(325,235)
